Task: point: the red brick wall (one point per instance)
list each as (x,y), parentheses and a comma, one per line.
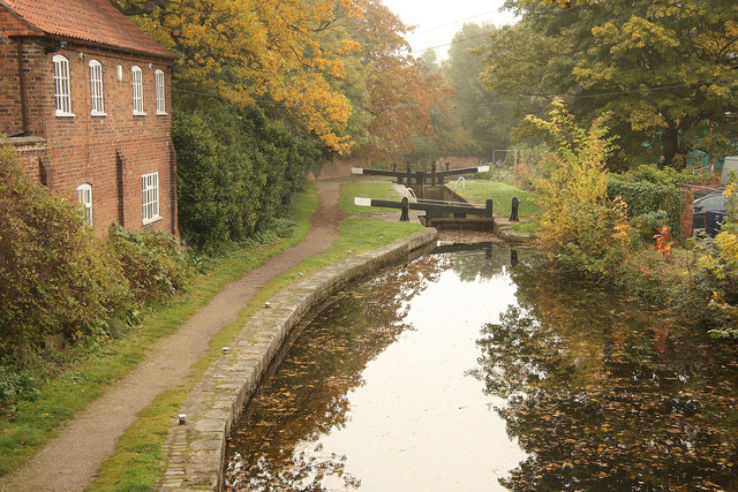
(10,102)
(85,148)
(32,156)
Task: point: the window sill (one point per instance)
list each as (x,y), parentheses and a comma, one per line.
(100,115)
(60,114)
(152,220)
(136,113)
(159,113)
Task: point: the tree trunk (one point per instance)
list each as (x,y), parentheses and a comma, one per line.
(670,144)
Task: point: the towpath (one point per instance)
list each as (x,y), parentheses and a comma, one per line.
(71,460)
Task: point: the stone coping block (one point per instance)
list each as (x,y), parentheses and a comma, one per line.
(195,451)
(507,234)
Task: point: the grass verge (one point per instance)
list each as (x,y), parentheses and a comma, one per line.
(349,190)
(501,193)
(137,462)
(32,423)
(528,227)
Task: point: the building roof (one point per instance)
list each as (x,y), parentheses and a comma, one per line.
(92,21)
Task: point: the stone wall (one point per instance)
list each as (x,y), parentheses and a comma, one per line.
(196,450)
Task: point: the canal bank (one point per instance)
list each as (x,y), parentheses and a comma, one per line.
(195,450)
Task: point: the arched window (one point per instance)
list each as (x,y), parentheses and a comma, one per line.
(62,94)
(161,99)
(84,197)
(137,83)
(96,89)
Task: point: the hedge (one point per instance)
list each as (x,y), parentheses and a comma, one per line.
(644,197)
(237,169)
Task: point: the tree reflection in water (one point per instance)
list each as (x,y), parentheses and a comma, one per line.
(608,396)
(275,446)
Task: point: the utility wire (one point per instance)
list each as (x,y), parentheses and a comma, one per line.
(450,43)
(458,105)
(435,28)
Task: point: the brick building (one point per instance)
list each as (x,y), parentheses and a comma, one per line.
(85,96)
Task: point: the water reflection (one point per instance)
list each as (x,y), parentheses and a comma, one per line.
(405,383)
(607,396)
(376,392)
(277,447)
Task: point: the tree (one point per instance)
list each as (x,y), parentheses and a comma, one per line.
(247,52)
(403,92)
(486,117)
(666,70)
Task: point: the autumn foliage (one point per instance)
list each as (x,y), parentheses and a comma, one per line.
(340,67)
(581,226)
(663,243)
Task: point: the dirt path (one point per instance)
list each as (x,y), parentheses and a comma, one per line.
(71,460)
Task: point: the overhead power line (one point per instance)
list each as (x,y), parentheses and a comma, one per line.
(458,105)
(423,50)
(434,28)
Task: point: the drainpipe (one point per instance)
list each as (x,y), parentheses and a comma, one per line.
(22,83)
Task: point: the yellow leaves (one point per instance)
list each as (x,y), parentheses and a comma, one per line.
(644,116)
(241,49)
(638,33)
(607,33)
(348,46)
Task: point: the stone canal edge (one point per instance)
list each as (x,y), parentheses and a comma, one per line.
(195,451)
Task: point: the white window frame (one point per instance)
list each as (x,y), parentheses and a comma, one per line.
(150,197)
(62,91)
(161,95)
(97,94)
(84,198)
(137,85)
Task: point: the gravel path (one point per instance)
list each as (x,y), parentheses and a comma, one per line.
(70,461)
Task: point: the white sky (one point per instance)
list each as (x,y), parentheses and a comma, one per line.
(438,20)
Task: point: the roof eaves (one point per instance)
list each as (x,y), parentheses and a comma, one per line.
(164,53)
(161,53)
(20,18)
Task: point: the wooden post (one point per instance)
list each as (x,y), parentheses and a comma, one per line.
(513,258)
(489,204)
(405,214)
(433,174)
(514,217)
(399,176)
(409,174)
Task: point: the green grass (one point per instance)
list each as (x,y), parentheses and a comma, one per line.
(137,461)
(349,190)
(33,423)
(501,193)
(527,227)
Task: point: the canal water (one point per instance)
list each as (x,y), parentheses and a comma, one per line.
(459,371)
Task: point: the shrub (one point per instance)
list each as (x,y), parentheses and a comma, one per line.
(645,197)
(580,226)
(154,263)
(16,385)
(237,169)
(720,268)
(646,225)
(58,284)
(667,176)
